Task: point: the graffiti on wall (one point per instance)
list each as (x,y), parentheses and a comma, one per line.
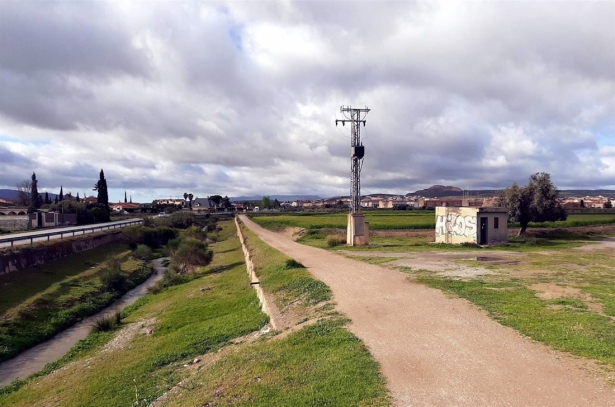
(456,225)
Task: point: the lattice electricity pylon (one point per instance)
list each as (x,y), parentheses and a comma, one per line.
(357,152)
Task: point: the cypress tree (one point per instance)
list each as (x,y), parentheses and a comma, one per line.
(61,194)
(35,198)
(77,198)
(47,200)
(125,197)
(101,187)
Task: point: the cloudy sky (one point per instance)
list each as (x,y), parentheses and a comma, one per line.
(239,98)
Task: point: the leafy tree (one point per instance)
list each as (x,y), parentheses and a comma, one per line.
(24,193)
(103,194)
(190,198)
(582,203)
(217,199)
(226,203)
(608,204)
(266,202)
(276,204)
(185,196)
(535,202)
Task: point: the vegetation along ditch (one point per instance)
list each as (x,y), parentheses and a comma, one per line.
(197,339)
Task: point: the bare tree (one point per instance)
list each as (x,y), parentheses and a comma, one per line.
(24,193)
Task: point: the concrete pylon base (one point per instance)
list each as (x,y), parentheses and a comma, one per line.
(358,230)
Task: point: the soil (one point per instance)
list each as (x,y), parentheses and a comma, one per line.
(440,351)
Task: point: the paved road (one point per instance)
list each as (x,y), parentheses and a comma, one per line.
(439,351)
(41,235)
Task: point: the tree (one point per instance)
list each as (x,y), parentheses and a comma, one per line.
(61,194)
(266,202)
(35,199)
(24,193)
(217,199)
(77,199)
(125,197)
(582,204)
(190,197)
(56,200)
(276,204)
(226,202)
(47,200)
(103,194)
(608,204)
(185,196)
(535,202)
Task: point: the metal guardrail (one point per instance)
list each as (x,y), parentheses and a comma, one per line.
(61,233)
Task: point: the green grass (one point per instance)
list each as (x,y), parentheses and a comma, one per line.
(378,220)
(575,220)
(287,284)
(573,328)
(392,220)
(49,311)
(321,364)
(18,286)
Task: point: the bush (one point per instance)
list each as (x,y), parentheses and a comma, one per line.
(293,264)
(112,278)
(182,220)
(142,252)
(192,253)
(195,232)
(333,240)
(152,237)
(107,322)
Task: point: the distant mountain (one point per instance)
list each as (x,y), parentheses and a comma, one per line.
(8,194)
(440,191)
(280,198)
(437,191)
(12,194)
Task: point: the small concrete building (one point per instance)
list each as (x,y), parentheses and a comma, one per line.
(483,226)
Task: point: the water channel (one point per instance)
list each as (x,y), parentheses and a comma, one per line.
(34,359)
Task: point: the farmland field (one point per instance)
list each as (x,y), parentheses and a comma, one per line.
(391,220)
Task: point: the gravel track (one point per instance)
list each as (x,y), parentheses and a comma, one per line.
(439,351)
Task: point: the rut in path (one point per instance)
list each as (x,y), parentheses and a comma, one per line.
(438,351)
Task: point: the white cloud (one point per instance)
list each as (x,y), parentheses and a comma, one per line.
(241,97)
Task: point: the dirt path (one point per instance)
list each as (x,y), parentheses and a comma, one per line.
(438,351)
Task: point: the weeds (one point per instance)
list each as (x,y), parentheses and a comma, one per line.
(106,323)
(334,240)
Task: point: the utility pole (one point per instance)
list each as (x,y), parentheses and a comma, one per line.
(357,152)
(358,229)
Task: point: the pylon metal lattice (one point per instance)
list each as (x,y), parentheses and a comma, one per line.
(357,152)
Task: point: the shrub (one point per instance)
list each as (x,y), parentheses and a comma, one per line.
(142,252)
(152,237)
(333,240)
(293,264)
(107,322)
(195,232)
(112,279)
(182,220)
(192,252)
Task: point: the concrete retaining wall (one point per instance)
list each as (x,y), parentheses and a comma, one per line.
(10,222)
(253,278)
(26,256)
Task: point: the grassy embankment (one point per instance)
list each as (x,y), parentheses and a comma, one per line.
(38,302)
(319,364)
